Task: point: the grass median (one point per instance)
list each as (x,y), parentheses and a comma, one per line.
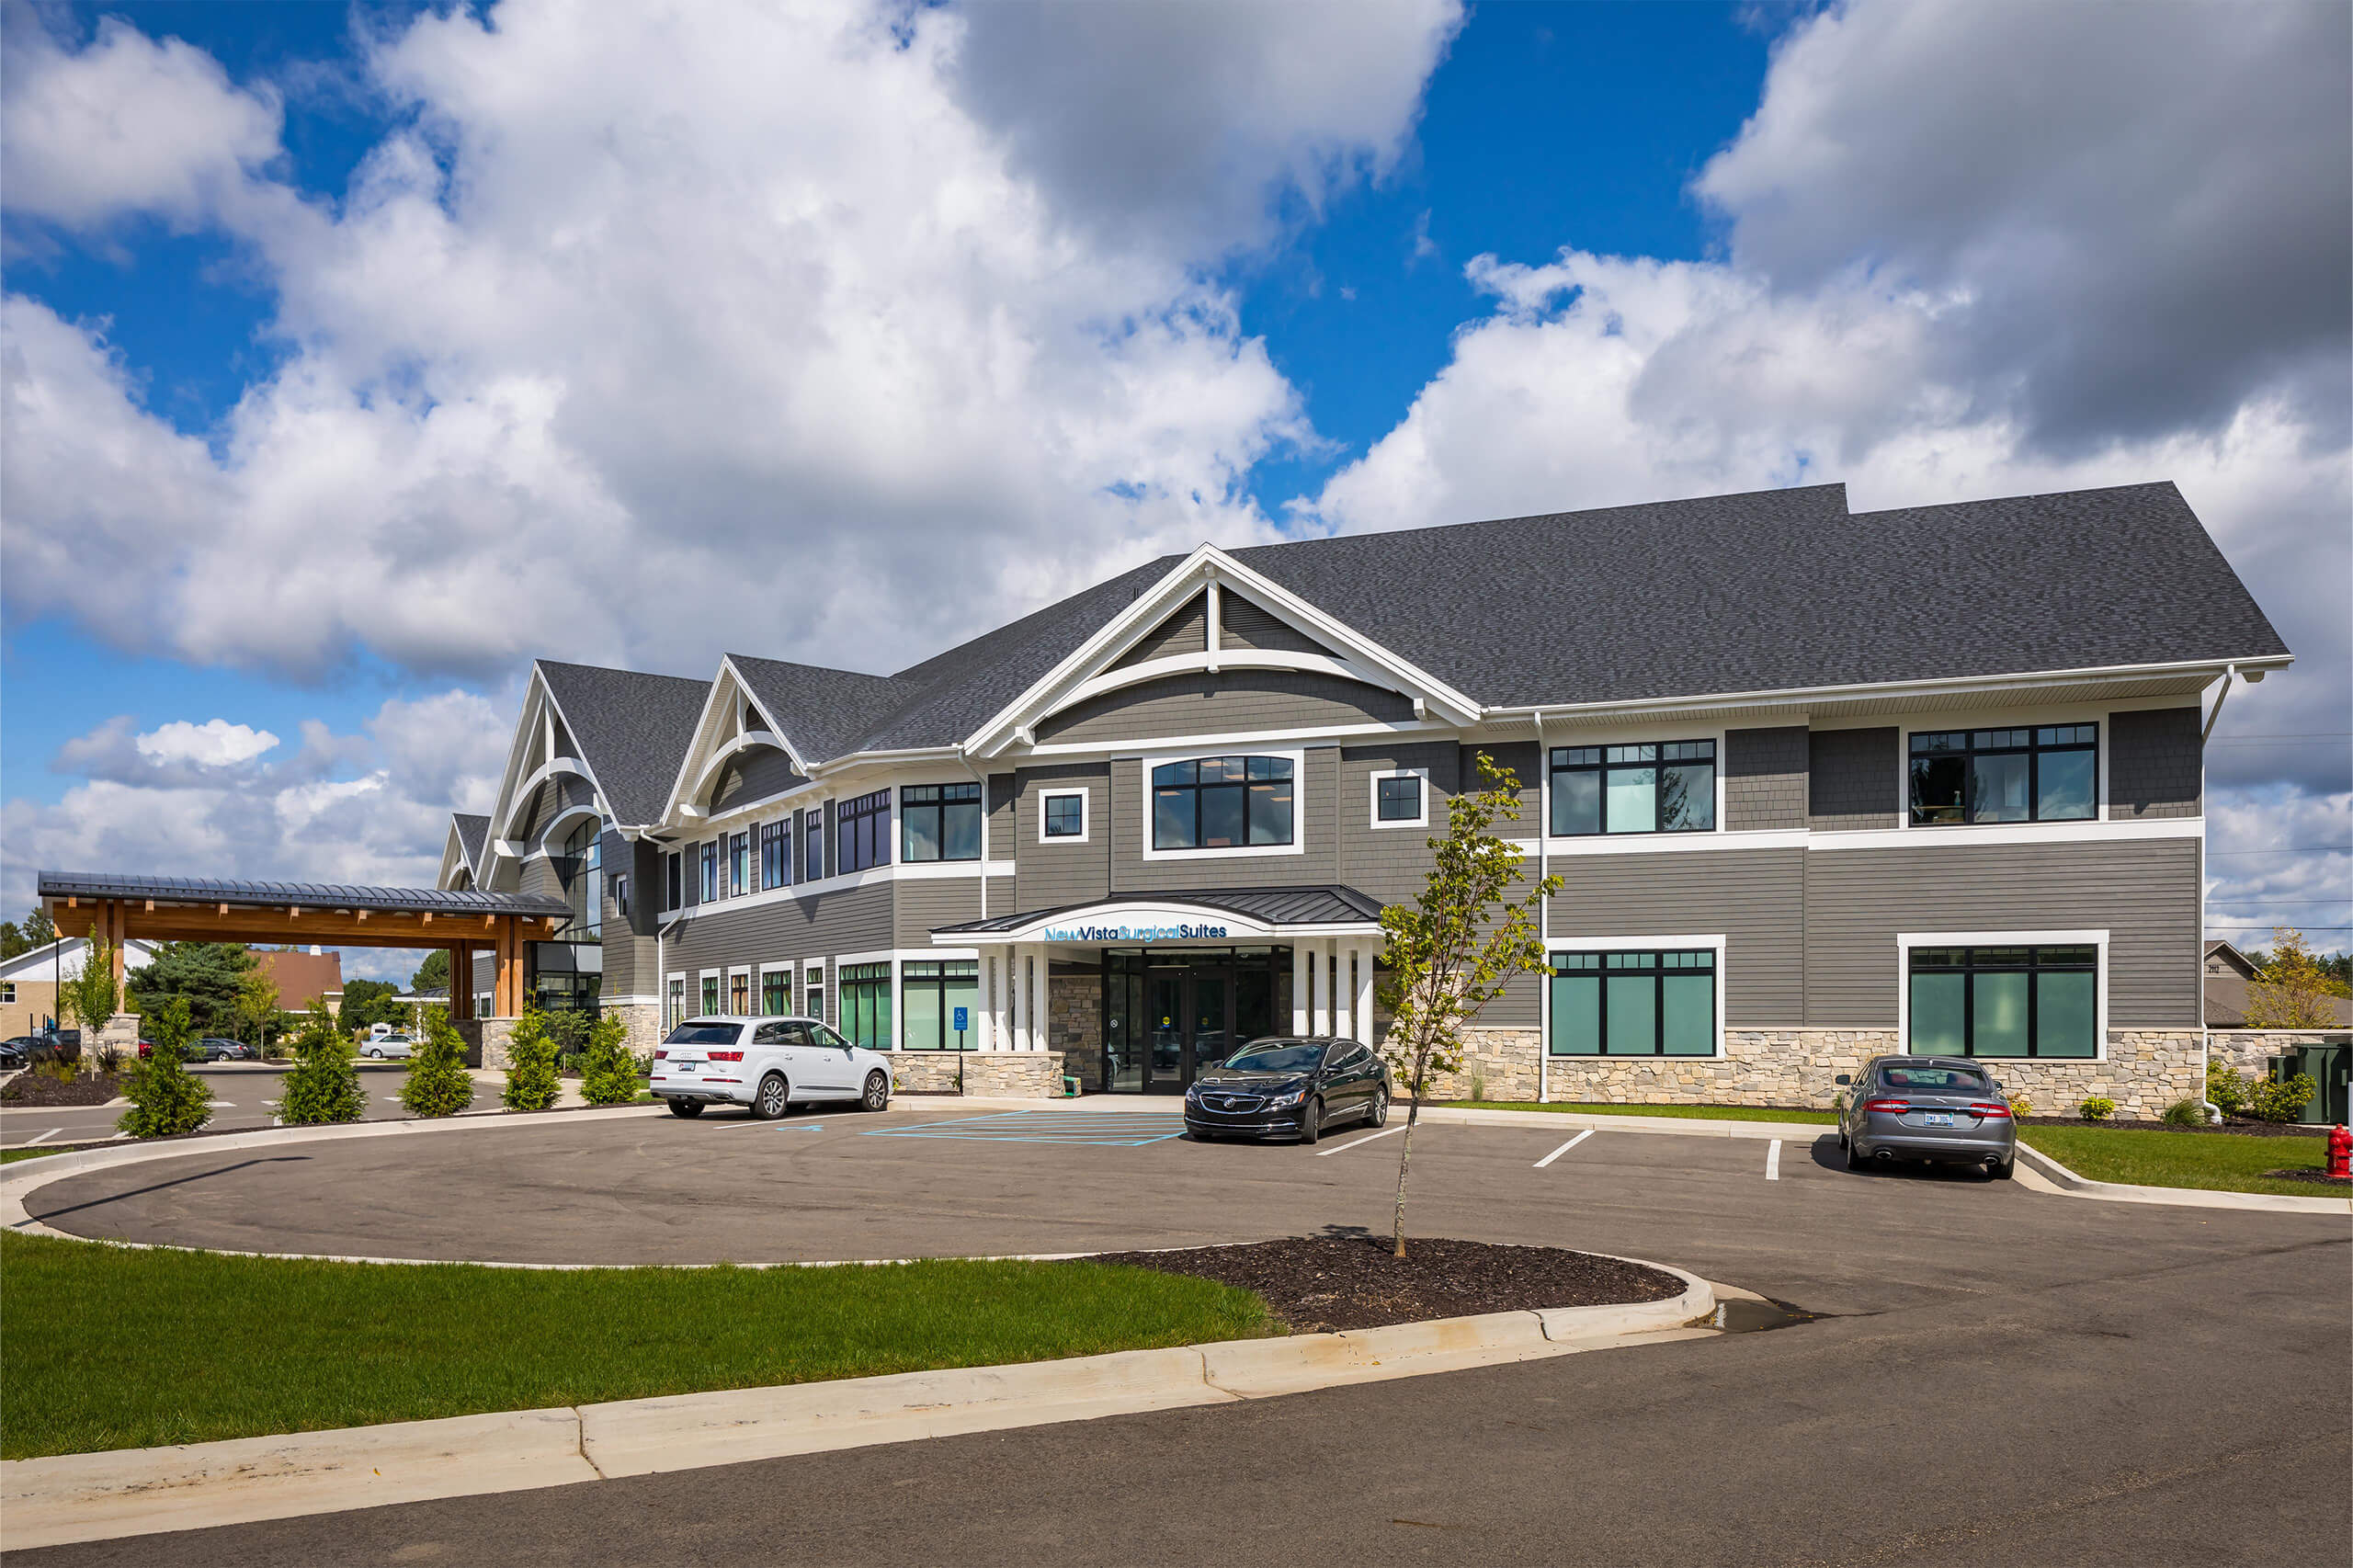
(109,1347)
(2222,1161)
(1696,1112)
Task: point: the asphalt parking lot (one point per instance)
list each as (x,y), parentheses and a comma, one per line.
(244,1096)
(2004,1377)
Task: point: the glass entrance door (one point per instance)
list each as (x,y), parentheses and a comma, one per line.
(1164,1062)
(1192,1025)
(1211,1007)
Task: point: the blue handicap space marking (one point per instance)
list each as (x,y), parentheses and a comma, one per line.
(1113,1130)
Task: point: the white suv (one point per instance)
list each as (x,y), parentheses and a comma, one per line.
(765,1064)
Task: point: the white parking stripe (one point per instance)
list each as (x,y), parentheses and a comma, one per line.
(1773,1161)
(1564,1148)
(42,1139)
(1365,1139)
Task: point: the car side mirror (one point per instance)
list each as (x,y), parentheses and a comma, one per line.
(1843,1078)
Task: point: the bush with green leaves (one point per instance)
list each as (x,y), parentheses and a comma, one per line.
(2226,1089)
(2021,1105)
(2184,1113)
(437,1083)
(2281,1100)
(2099,1107)
(324,1085)
(165,1097)
(570,1030)
(608,1073)
(532,1081)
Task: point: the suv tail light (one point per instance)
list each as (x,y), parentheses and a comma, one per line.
(1895,1107)
(1988,1109)
(724,1055)
(660,1056)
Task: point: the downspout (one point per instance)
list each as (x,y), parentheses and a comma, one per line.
(988,989)
(1544,913)
(2205,1030)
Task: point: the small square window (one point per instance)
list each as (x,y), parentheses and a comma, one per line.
(1400,799)
(1065,816)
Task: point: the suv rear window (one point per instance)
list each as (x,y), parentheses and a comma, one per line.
(1938,1080)
(701,1034)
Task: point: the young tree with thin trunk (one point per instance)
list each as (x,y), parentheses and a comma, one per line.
(93,997)
(2294,989)
(1454,951)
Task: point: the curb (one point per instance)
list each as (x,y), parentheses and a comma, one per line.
(79,1498)
(2069,1185)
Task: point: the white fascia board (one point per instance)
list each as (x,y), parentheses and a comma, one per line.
(1197,571)
(1960,686)
(530,718)
(727,681)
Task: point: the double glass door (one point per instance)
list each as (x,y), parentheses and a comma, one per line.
(1191,1020)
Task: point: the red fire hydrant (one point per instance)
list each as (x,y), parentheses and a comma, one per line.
(2341,1152)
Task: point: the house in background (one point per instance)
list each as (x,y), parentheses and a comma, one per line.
(302,977)
(2229,972)
(28,982)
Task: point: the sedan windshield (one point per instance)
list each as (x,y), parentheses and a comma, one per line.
(702,1034)
(1283,1056)
(1936,1080)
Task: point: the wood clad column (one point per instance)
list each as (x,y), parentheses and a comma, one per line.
(461,984)
(116,924)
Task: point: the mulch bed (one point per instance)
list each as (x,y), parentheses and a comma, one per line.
(1316,1284)
(41,1089)
(2305,1172)
(2242,1126)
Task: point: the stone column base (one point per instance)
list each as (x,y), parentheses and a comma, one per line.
(488,1049)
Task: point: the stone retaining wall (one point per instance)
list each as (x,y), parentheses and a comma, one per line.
(1018,1072)
(2251,1050)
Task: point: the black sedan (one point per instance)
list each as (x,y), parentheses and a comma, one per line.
(1287,1089)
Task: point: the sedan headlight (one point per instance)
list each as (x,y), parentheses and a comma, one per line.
(1287,1097)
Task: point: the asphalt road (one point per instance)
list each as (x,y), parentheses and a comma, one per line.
(242,1094)
(2007,1377)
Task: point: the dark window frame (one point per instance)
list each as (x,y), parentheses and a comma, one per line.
(812,845)
(864,1004)
(1922,750)
(862,832)
(1417,795)
(1049,828)
(739,864)
(776,854)
(773,980)
(1255,792)
(2034,966)
(932,804)
(936,974)
(1599,762)
(1607,963)
(707,871)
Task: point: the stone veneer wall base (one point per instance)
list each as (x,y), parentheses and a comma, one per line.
(1019,1074)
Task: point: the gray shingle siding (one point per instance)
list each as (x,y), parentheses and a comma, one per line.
(1241,701)
(1756,897)
(1242,624)
(1852,779)
(1391,863)
(924,904)
(1312,807)
(2155,764)
(1765,778)
(1523,759)
(815,925)
(1186,632)
(753,775)
(1050,875)
(2144,893)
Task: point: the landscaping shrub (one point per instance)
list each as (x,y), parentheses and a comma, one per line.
(2099,1107)
(532,1081)
(2281,1100)
(324,1085)
(437,1083)
(608,1075)
(2021,1105)
(165,1097)
(2226,1089)
(2184,1113)
(569,1029)
(109,1060)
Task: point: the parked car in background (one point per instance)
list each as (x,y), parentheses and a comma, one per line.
(212,1047)
(393,1047)
(18,1052)
(1944,1109)
(768,1065)
(1287,1089)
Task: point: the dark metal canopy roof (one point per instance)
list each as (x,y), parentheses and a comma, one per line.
(1330,904)
(304,896)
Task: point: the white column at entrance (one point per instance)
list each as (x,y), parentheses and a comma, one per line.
(985,1037)
(1042,1034)
(1364,994)
(1319,990)
(1018,990)
(1344,991)
(1302,956)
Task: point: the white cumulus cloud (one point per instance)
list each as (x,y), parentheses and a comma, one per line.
(216,743)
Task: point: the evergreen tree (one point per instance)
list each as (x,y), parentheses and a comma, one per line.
(13,943)
(165,1097)
(367,1002)
(532,1081)
(437,1083)
(433,974)
(324,1085)
(609,1075)
(40,929)
(209,975)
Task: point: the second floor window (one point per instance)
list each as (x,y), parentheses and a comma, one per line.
(862,832)
(710,855)
(1218,802)
(620,897)
(670,881)
(776,854)
(739,865)
(813,845)
(1656,787)
(2050,773)
(941,822)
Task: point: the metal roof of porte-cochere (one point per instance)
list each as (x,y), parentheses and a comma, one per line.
(1775,590)
(1330,905)
(306,895)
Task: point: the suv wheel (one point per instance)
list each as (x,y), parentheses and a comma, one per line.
(688,1108)
(877,1092)
(774,1099)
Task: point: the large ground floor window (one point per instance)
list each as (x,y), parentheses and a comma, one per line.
(929,993)
(2004,1001)
(866,1004)
(776,991)
(1634,1003)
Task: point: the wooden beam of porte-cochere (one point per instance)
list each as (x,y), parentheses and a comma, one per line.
(380,928)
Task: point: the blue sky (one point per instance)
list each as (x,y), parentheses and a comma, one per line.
(368,341)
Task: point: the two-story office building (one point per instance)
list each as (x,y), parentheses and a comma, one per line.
(1818,784)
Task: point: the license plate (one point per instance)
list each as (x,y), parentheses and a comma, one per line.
(1937,1119)
(686,1066)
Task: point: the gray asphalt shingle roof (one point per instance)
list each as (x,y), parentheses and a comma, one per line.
(632,730)
(472,833)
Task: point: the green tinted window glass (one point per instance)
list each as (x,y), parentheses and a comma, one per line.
(2065,1016)
(919,999)
(1690,1014)
(1577,1015)
(1633,1015)
(1937,1014)
(1999,1025)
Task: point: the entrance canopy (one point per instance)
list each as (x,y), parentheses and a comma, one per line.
(192,909)
(1215,918)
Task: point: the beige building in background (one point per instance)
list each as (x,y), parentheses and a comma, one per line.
(28,982)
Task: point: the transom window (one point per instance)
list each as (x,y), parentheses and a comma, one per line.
(2049,773)
(862,832)
(1634,1003)
(776,856)
(2004,1001)
(941,822)
(1655,787)
(1398,798)
(1218,802)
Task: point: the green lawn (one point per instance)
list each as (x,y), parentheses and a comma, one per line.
(10,1156)
(1701,1112)
(155,1347)
(2227,1162)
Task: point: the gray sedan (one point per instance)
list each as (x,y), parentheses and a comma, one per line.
(1941,1108)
